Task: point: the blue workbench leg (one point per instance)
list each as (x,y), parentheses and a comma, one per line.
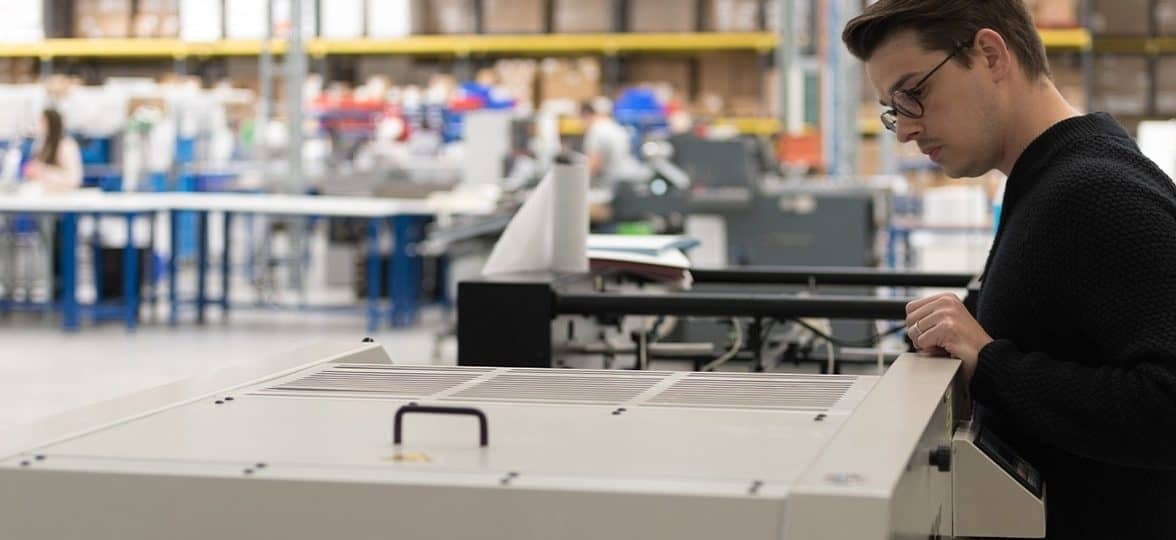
(404,272)
(96,257)
(201,265)
(173,268)
(70,311)
(226,264)
(131,276)
(373,274)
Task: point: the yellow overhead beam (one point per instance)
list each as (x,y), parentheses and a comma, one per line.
(1076,39)
(1136,45)
(532,44)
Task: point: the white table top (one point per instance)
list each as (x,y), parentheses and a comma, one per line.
(86,201)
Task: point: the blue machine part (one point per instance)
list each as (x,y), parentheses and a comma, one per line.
(94,151)
(639,109)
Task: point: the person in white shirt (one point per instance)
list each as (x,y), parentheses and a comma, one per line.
(57,161)
(607,145)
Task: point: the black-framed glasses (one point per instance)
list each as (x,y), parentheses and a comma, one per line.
(906,102)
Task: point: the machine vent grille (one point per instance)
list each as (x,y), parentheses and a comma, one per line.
(748,393)
(775,391)
(558,388)
(382,381)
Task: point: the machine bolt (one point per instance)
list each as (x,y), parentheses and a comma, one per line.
(941,458)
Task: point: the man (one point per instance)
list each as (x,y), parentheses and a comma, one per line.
(607,145)
(1071,348)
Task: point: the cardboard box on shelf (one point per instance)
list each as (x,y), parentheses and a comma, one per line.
(1166,17)
(662,16)
(517,77)
(1054,13)
(1166,86)
(203,20)
(673,72)
(1120,85)
(582,16)
(737,79)
(576,80)
(733,15)
(1121,17)
(95,19)
(156,19)
(452,17)
(514,16)
(396,18)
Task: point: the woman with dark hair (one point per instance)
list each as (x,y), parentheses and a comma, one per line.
(57,161)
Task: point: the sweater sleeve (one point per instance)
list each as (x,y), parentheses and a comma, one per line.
(1111,247)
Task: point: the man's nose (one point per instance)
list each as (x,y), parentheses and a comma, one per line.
(907,129)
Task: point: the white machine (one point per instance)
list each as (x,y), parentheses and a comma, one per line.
(304,447)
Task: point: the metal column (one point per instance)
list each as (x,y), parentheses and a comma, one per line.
(843,84)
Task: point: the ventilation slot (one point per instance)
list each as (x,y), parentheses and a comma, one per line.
(798,395)
(382,382)
(558,388)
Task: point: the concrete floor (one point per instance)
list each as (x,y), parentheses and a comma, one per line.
(44,371)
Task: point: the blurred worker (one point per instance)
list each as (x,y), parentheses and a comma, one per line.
(57,161)
(607,145)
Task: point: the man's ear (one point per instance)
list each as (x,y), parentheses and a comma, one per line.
(990,49)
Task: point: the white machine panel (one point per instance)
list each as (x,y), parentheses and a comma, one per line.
(571,454)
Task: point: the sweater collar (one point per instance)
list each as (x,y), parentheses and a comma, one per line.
(1060,135)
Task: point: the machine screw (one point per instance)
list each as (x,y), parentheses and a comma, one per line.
(219,402)
(229,398)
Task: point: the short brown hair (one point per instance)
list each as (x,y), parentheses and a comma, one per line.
(942,25)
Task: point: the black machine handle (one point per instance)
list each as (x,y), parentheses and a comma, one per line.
(483,429)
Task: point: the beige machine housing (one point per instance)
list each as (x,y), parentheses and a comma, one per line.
(300,447)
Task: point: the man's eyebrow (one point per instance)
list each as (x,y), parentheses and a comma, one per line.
(901,81)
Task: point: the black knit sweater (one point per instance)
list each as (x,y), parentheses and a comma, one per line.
(1080,295)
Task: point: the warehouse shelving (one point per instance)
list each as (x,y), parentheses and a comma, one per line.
(535,44)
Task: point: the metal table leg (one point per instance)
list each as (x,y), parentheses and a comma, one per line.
(70,311)
(373,274)
(201,265)
(173,268)
(404,272)
(226,266)
(131,275)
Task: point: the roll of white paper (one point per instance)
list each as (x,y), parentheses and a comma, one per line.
(550,231)
(570,214)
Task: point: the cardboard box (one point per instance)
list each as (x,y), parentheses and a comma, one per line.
(737,80)
(95,19)
(514,16)
(342,19)
(1166,86)
(202,20)
(1054,13)
(733,15)
(576,80)
(1121,17)
(156,19)
(517,77)
(1166,17)
(1120,85)
(582,16)
(662,16)
(452,17)
(396,18)
(672,72)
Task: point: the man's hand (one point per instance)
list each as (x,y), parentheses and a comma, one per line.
(941,325)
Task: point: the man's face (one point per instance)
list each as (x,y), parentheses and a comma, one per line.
(959,128)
